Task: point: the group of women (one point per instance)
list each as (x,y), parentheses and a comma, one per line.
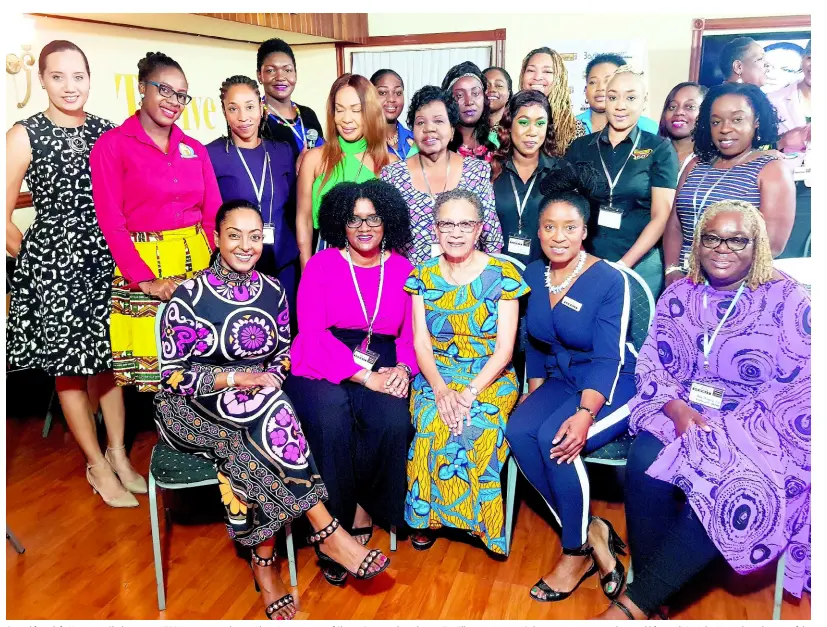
(342,310)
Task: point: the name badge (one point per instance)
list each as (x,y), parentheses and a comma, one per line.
(572,304)
(519,244)
(610,217)
(706,395)
(801,173)
(365,357)
(436,249)
(269,234)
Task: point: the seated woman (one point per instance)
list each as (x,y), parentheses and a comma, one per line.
(225,351)
(721,461)
(580,376)
(353,356)
(465,322)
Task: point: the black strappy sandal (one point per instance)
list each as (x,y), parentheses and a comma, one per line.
(279,604)
(363,531)
(554,595)
(618,574)
(363,572)
(623,609)
(422,545)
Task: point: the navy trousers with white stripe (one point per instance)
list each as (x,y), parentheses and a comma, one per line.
(530,431)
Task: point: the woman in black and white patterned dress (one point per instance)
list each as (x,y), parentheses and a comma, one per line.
(59,316)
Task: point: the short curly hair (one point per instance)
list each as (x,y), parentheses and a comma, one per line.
(431,93)
(338,205)
(271,46)
(765,113)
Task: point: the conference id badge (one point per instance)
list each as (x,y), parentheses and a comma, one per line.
(518,244)
(572,304)
(365,357)
(610,217)
(269,234)
(706,395)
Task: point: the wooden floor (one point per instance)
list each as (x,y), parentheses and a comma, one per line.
(84,560)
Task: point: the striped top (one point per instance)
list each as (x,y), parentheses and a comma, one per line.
(706,185)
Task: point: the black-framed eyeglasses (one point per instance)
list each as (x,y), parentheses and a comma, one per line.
(466,226)
(355,222)
(167,92)
(735,244)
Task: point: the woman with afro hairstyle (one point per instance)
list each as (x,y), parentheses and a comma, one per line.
(353,358)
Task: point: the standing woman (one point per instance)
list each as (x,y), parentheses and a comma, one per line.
(465,314)
(629,215)
(59,315)
(743,61)
(263,172)
(357,152)
(734,121)
(289,122)
(156,198)
(473,136)
(433,115)
(528,153)
(543,70)
(391,92)
(498,93)
(678,119)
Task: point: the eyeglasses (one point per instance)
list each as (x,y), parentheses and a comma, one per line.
(355,222)
(466,226)
(735,244)
(167,92)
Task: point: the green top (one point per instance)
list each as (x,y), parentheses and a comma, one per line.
(349,169)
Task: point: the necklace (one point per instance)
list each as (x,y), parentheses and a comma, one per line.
(556,289)
(392,141)
(283,121)
(77,143)
(425,176)
(451,274)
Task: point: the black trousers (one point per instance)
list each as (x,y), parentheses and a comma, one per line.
(669,544)
(359,439)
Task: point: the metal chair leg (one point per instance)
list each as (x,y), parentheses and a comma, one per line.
(393,537)
(14,541)
(509,506)
(291,556)
(156,543)
(48,424)
(779,586)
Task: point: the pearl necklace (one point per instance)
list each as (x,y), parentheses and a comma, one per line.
(556,289)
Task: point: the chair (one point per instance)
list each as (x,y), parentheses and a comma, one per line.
(170,469)
(14,541)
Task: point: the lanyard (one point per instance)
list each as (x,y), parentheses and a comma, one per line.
(613,183)
(300,136)
(521,204)
(259,189)
(696,208)
(359,292)
(708,342)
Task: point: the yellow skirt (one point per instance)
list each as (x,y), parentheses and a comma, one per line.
(177,254)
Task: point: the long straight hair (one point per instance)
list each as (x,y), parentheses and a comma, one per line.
(373,126)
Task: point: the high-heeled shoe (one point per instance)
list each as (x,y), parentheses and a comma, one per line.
(554,595)
(125,499)
(278,604)
(136,486)
(612,582)
(363,572)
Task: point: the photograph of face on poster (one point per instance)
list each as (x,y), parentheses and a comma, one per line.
(783,52)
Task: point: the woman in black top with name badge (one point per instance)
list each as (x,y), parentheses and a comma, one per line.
(641,171)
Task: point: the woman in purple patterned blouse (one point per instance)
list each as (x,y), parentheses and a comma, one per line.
(721,461)
(225,351)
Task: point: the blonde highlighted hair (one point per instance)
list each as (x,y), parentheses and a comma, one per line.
(761,270)
(559,98)
(373,125)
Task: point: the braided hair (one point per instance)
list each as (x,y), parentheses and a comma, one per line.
(154,61)
(240,79)
(559,98)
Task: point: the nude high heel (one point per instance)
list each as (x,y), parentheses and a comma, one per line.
(126,499)
(136,486)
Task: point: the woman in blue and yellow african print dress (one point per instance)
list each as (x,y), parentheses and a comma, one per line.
(465,323)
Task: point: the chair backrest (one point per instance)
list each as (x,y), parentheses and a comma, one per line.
(641,310)
(503,257)
(159,316)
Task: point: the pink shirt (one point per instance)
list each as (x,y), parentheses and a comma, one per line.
(137,187)
(327,298)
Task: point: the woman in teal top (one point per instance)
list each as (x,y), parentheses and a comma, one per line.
(355,119)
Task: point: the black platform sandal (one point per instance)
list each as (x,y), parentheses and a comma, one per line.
(363,572)
(278,604)
(554,595)
(623,609)
(422,545)
(612,583)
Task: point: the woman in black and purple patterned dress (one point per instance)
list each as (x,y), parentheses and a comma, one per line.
(225,351)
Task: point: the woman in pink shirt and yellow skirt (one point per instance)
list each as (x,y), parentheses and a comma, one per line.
(156,198)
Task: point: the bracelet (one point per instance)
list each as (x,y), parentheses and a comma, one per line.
(367,376)
(586,409)
(673,268)
(231,379)
(406,368)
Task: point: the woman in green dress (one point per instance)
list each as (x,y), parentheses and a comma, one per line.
(465,313)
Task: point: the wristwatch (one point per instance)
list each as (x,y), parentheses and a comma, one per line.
(231,379)
(474,391)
